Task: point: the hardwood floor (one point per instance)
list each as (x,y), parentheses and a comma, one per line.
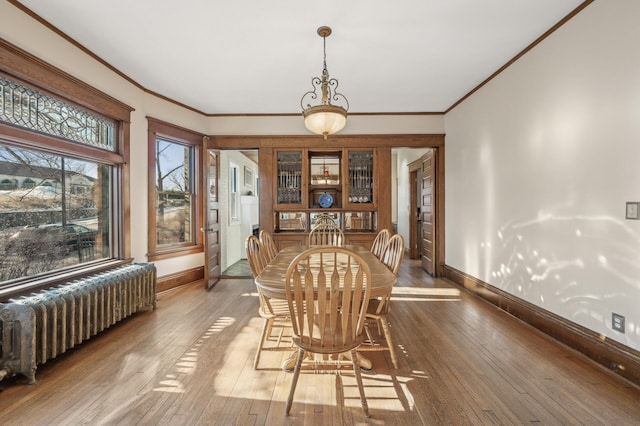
(461,361)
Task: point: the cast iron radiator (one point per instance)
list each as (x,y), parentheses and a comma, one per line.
(43,325)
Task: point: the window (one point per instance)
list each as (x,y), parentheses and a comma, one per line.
(62,170)
(174,184)
(234,198)
(47,226)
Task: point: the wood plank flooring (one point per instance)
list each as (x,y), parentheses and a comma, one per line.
(461,361)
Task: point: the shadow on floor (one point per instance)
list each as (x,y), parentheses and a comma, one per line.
(240,269)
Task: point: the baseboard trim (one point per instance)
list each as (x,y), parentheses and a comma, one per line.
(168,282)
(612,355)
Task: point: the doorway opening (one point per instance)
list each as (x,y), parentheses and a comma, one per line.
(239,212)
(424,202)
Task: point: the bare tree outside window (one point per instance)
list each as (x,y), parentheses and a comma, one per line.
(54,215)
(174,184)
(173,192)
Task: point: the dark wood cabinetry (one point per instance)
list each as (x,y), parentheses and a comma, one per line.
(347,183)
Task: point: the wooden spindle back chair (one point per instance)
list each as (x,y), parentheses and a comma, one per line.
(274,312)
(380,243)
(255,255)
(393,253)
(324,219)
(379,308)
(269,245)
(328,291)
(326,235)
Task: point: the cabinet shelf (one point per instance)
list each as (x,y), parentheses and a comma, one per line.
(304,175)
(325,187)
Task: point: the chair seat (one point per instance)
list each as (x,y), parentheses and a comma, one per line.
(273,308)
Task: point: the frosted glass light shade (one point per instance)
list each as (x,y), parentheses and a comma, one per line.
(325,119)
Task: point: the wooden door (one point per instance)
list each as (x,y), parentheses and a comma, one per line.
(212,224)
(415,227)
(427,213)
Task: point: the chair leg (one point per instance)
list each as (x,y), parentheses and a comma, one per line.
(368,332)
(356,370)
(270,323)
(387,337)
(294,381)
(263,338)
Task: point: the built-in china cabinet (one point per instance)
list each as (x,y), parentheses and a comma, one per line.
(350,185)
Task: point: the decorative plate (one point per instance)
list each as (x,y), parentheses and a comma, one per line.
(325,200)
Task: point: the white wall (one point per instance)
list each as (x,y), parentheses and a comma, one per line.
(539,165)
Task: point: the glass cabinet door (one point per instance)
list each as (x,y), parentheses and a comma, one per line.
(289,177)
(360,179)
(360,221)
(291,221)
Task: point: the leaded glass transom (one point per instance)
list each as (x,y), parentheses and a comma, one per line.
(30,109)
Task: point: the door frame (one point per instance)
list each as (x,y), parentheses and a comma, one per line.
(414,253)
(211,275)
(438,209)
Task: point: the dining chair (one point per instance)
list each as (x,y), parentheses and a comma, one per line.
(324,219)
(378,308)
(255,255)
(269,245)
(274,312)
(326,235)
(328,289)
(393,253)
(380,243)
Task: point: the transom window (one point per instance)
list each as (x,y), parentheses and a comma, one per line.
(30,109)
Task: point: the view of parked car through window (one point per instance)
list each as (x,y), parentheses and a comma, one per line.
(54,212)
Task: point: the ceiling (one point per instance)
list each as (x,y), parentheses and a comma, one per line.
(258,57)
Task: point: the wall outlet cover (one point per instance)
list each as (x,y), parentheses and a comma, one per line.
(617,322)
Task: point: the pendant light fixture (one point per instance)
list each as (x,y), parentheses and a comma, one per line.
(324,118)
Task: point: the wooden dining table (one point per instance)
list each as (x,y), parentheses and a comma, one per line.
(271,280)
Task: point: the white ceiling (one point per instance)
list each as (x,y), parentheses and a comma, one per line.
(258,57)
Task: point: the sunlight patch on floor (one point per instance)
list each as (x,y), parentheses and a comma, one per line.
(420,294)
(186,365)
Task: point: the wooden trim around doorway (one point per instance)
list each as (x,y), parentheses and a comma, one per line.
(414,166)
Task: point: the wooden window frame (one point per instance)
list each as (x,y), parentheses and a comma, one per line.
(235,194)
(28,70)
(171,132)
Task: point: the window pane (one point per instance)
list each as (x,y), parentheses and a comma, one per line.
(173,193)
(234,214)
(30,109)
(54,212)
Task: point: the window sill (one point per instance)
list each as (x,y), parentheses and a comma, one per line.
(174,252)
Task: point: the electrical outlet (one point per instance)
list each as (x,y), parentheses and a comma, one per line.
(617,322)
